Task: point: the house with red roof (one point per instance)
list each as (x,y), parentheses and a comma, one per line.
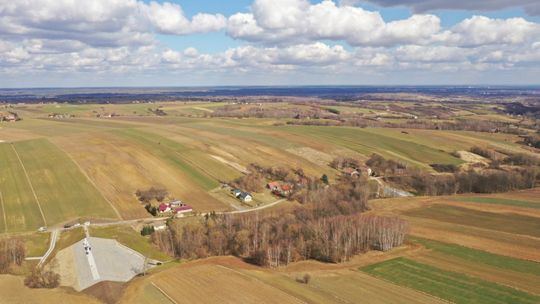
(163,208)
(182,210)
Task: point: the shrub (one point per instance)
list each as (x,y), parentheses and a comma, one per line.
(147,230)
(39,278)
(146,196)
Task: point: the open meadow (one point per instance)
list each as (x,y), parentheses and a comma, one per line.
(91,164)
(88,167)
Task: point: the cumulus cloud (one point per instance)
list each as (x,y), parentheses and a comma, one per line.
(480,30)
(530,6)
(168,18)
(277,37)
(100,22)
(293,21)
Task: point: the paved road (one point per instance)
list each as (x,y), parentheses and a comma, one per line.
(52,244)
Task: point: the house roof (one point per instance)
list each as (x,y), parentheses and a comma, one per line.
(286,187)
(243,195)
(163,207)
(273,184)
(183,208)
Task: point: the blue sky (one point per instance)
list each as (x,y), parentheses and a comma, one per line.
(256,42)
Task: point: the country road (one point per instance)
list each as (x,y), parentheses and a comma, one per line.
(55,232)
(52,244)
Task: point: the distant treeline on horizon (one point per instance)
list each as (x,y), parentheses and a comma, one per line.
(346,93)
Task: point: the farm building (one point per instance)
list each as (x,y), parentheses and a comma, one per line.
(245,197)
(279,188)
(273,185)
(163,208)
(242,195)
(351,172)
(177,203)
(181,211)
(236,192)
(175,207)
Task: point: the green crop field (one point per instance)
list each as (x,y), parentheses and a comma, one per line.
(448,285)
(481,257)
(369,142)
(512,272)
(170,151)
(511,223)
(19,207)
(500,201)
(61,188)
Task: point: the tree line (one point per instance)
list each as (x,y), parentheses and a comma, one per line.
(328,226)
(12,252)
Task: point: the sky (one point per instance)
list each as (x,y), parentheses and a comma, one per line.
(104,43)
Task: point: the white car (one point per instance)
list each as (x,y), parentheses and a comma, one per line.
(42,229)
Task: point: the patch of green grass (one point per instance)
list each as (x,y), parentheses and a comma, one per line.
(499,201)
(130,238)
(481,257)
(370,141)
(448,285)
(512,223)
(68,238)
(22,212)
(63,191)
(170,151)
(36,243)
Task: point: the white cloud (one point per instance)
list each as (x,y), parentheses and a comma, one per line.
(168,18)
(293,21)
(277,37)
(100,22)
(480,30)
(415,53)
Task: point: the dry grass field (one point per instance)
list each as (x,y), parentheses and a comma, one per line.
(13,291)
(229,280)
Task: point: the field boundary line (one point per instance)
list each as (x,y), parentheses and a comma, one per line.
(31,186)
(3,212)
(91,181)
(406,287)
(164,293)
(262,282)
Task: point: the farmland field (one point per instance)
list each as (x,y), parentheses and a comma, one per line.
(511,223)
(512,272)
(486,227)
(448,285)
(500,201)
(54,171)
(62,189)
(215,279)
(19,207)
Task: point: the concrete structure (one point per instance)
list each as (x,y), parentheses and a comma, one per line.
(96,259)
